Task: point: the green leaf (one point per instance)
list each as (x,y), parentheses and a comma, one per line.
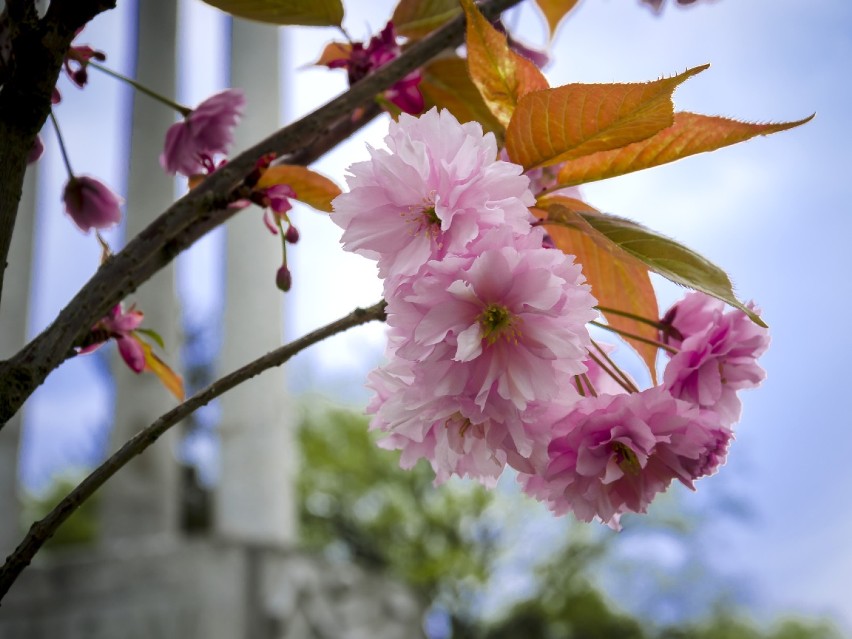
(554,11)
(311,188)
(673,261)
(447,84)
(316,13)
(618,280)
(691,133)
(154,335)
(417,18)
(502,76)
(574,120)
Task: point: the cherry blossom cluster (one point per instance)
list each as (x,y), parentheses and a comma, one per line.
(489,360)
(615,452)
(487,327)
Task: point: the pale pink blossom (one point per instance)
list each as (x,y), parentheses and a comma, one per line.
(205,132)
(426,414)
(511,318)
(717,357)
(614,454)
(434,191)
(91,204)
(692,314)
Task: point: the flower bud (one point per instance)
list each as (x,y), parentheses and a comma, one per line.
(91,204)
(283,278)
(292,235)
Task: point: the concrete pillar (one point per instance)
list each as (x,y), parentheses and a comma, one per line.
(143,499)
(254,499)
(13,334)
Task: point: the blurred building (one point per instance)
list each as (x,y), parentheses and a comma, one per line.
(172,560)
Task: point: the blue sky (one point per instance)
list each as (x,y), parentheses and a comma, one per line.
(773,212)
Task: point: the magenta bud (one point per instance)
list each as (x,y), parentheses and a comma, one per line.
(283,279)
(292,235)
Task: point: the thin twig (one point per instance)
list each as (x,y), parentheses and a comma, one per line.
(638,338)
(204,208)
(44,529)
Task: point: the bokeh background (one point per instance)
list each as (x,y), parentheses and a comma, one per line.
(775,525)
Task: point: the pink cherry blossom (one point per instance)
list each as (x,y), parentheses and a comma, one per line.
(203,133)
(511,318)
(435,189)
(91,204)
(79,56)
(119,325)
(689,316)
(614,454)
(380,50)
(427,415)
(717,357)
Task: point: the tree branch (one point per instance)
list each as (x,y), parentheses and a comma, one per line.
(44,529)
(204,208)
(38,49)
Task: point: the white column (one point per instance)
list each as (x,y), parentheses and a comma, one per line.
(254,500)
(13,335)
(143,498)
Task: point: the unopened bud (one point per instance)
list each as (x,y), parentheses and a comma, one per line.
(292,235)
(283,279)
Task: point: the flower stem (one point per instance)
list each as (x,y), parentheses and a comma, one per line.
(184,111)
(616,373)
(638,338)
(589,384)
(638,318)
(62,145)
(579,385)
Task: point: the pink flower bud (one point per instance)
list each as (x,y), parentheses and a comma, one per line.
(292,235)
(91,204)
(283,278)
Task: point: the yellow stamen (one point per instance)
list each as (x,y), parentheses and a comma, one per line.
(626,458)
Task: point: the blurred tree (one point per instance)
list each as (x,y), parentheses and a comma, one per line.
(81,528)
(448,544)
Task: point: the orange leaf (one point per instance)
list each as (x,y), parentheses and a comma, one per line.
(171,380)
(690,134)
(554,11)
(311,188)
(618,280)
(447,84)
(501,75)
(574,120)
(417,18)
(333,51)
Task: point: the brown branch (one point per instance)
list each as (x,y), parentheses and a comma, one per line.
(38,49)
(202,209)
(44,529)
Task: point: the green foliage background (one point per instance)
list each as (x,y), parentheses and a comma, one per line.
(447,544)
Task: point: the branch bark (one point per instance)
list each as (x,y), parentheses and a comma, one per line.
(204,208)
(44,529)
(38,49)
